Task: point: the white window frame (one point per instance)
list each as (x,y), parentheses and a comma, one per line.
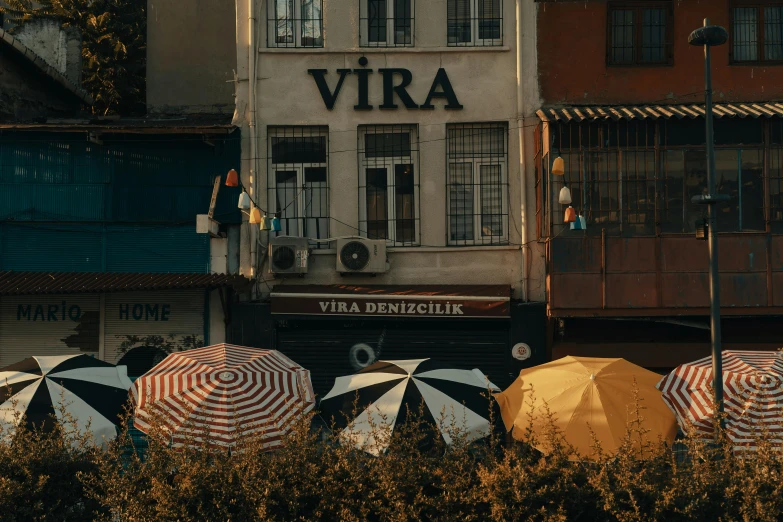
(475,41)
(299,202)
(389,163)
(364,27)
(476,163)
(296,24)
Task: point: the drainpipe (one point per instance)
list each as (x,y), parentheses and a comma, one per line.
(522,159)
(252,61)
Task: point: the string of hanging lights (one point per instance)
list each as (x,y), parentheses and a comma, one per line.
(248,205)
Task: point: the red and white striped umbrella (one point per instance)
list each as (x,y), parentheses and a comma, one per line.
(221,393)
(752,390)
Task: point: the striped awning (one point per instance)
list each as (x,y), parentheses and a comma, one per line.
(576,114)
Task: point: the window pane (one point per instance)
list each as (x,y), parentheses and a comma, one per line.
(489,19)
(284,15)
(377,213)
(727,182)
(672,199)
(695,185)
(745,34)
(622,36)
(285,201)
(639,192)
(316,203)
(311,23)
(491,200)
(405,214)
(461,201)
(387,145)
(402,22)
(477,140)
(603,202)
(653,35)
(459,21)
(376,20)
(773,33)
(299,149)
(752,187)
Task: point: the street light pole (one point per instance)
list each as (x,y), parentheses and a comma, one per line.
(708,36)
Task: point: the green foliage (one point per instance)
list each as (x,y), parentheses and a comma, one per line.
(314,477)
(113,50)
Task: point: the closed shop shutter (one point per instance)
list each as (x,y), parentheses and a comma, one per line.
(172,314)
(48,325)
(323,347)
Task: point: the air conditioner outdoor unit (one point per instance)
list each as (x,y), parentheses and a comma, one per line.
(361,256)
(288,255)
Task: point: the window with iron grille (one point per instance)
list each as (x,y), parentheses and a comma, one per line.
(639,33)
(298,187)
(477,181)
(475,23)
(386,23)
(756,31)
(389,183)
(295,23)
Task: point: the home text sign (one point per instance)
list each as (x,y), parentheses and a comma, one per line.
(395,82)
(390,307)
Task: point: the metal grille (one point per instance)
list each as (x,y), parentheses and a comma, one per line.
(295,23)
(477,183)
(475,23)
(386,23)
(389,183)
(626,179)
(776,189)
(298,186)
(757,31)
(638,33)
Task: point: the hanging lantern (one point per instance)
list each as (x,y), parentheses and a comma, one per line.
(565,196)
(255,216)
(276,224)
(244,201)
(570,215)
(232,178)
(558,167)
(266,223)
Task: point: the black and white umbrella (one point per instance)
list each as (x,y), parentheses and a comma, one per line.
(92,391)
(456,401)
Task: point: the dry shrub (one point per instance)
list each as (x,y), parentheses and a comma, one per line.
(313,476)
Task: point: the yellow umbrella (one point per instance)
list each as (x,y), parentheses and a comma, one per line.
(584,394)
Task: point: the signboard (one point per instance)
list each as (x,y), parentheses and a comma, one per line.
(388,302)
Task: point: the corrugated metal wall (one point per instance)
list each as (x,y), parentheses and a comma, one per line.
(48,325)
(127,205)
(174,313)
(98,248)
(323,346)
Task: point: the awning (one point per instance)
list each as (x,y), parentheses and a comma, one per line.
(580,113)
(438,301)
(21,283)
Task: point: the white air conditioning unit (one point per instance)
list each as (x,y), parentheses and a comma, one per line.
(361,256)
(288,255)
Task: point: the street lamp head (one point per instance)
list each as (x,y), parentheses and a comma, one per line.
(710,35)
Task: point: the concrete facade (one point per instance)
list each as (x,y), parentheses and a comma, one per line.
(493,84)
(59,47)
(191,55)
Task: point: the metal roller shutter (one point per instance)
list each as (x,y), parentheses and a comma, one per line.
(176,313)
(48,325)
(323,346)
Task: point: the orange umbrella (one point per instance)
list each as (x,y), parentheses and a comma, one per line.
(586,394)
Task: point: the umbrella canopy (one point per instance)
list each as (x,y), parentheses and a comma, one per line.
(752,393)
(217,394)
(387,390)
(80,388)
(584,394)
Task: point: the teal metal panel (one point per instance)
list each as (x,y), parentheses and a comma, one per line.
(167,178)
(160,249)
(50,247)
